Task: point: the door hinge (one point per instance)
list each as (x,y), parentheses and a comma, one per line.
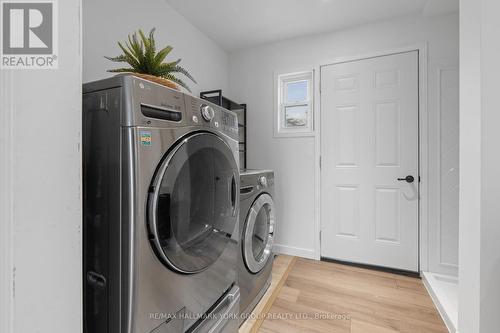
(320,236)
(320,162)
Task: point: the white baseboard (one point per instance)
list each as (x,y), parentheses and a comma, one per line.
(440,298)
(294,251)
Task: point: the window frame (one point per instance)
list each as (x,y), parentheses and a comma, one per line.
(281,81)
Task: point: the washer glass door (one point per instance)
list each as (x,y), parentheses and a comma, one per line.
(258,234)
(193,204)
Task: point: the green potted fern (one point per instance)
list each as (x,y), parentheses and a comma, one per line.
(141,55)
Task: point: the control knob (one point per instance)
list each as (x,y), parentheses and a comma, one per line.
(207,112)
(263,181)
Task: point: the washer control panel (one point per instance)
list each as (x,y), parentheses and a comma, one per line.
(259,179)
(205,114)
(229,121)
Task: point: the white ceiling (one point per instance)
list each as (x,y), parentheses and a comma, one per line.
(237,24)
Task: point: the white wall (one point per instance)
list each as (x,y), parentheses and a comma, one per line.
(470,166)
(107,22)
(490,167)
(251,81)
(479,287)
(40,195)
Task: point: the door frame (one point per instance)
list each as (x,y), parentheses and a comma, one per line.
(423,142)
(7,272)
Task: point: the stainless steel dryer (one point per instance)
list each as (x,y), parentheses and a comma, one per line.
(257,224)
(161,206)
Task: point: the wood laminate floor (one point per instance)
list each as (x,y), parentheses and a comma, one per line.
(327,297)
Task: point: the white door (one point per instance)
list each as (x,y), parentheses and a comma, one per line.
(369,139)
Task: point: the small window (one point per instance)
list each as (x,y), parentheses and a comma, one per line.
(294,104)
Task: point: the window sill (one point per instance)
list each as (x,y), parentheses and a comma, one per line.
(294,135)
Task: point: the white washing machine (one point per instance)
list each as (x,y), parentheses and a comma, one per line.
(257,226)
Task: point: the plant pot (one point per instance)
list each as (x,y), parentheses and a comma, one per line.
(155,79)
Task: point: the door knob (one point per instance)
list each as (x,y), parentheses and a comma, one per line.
(408,179)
